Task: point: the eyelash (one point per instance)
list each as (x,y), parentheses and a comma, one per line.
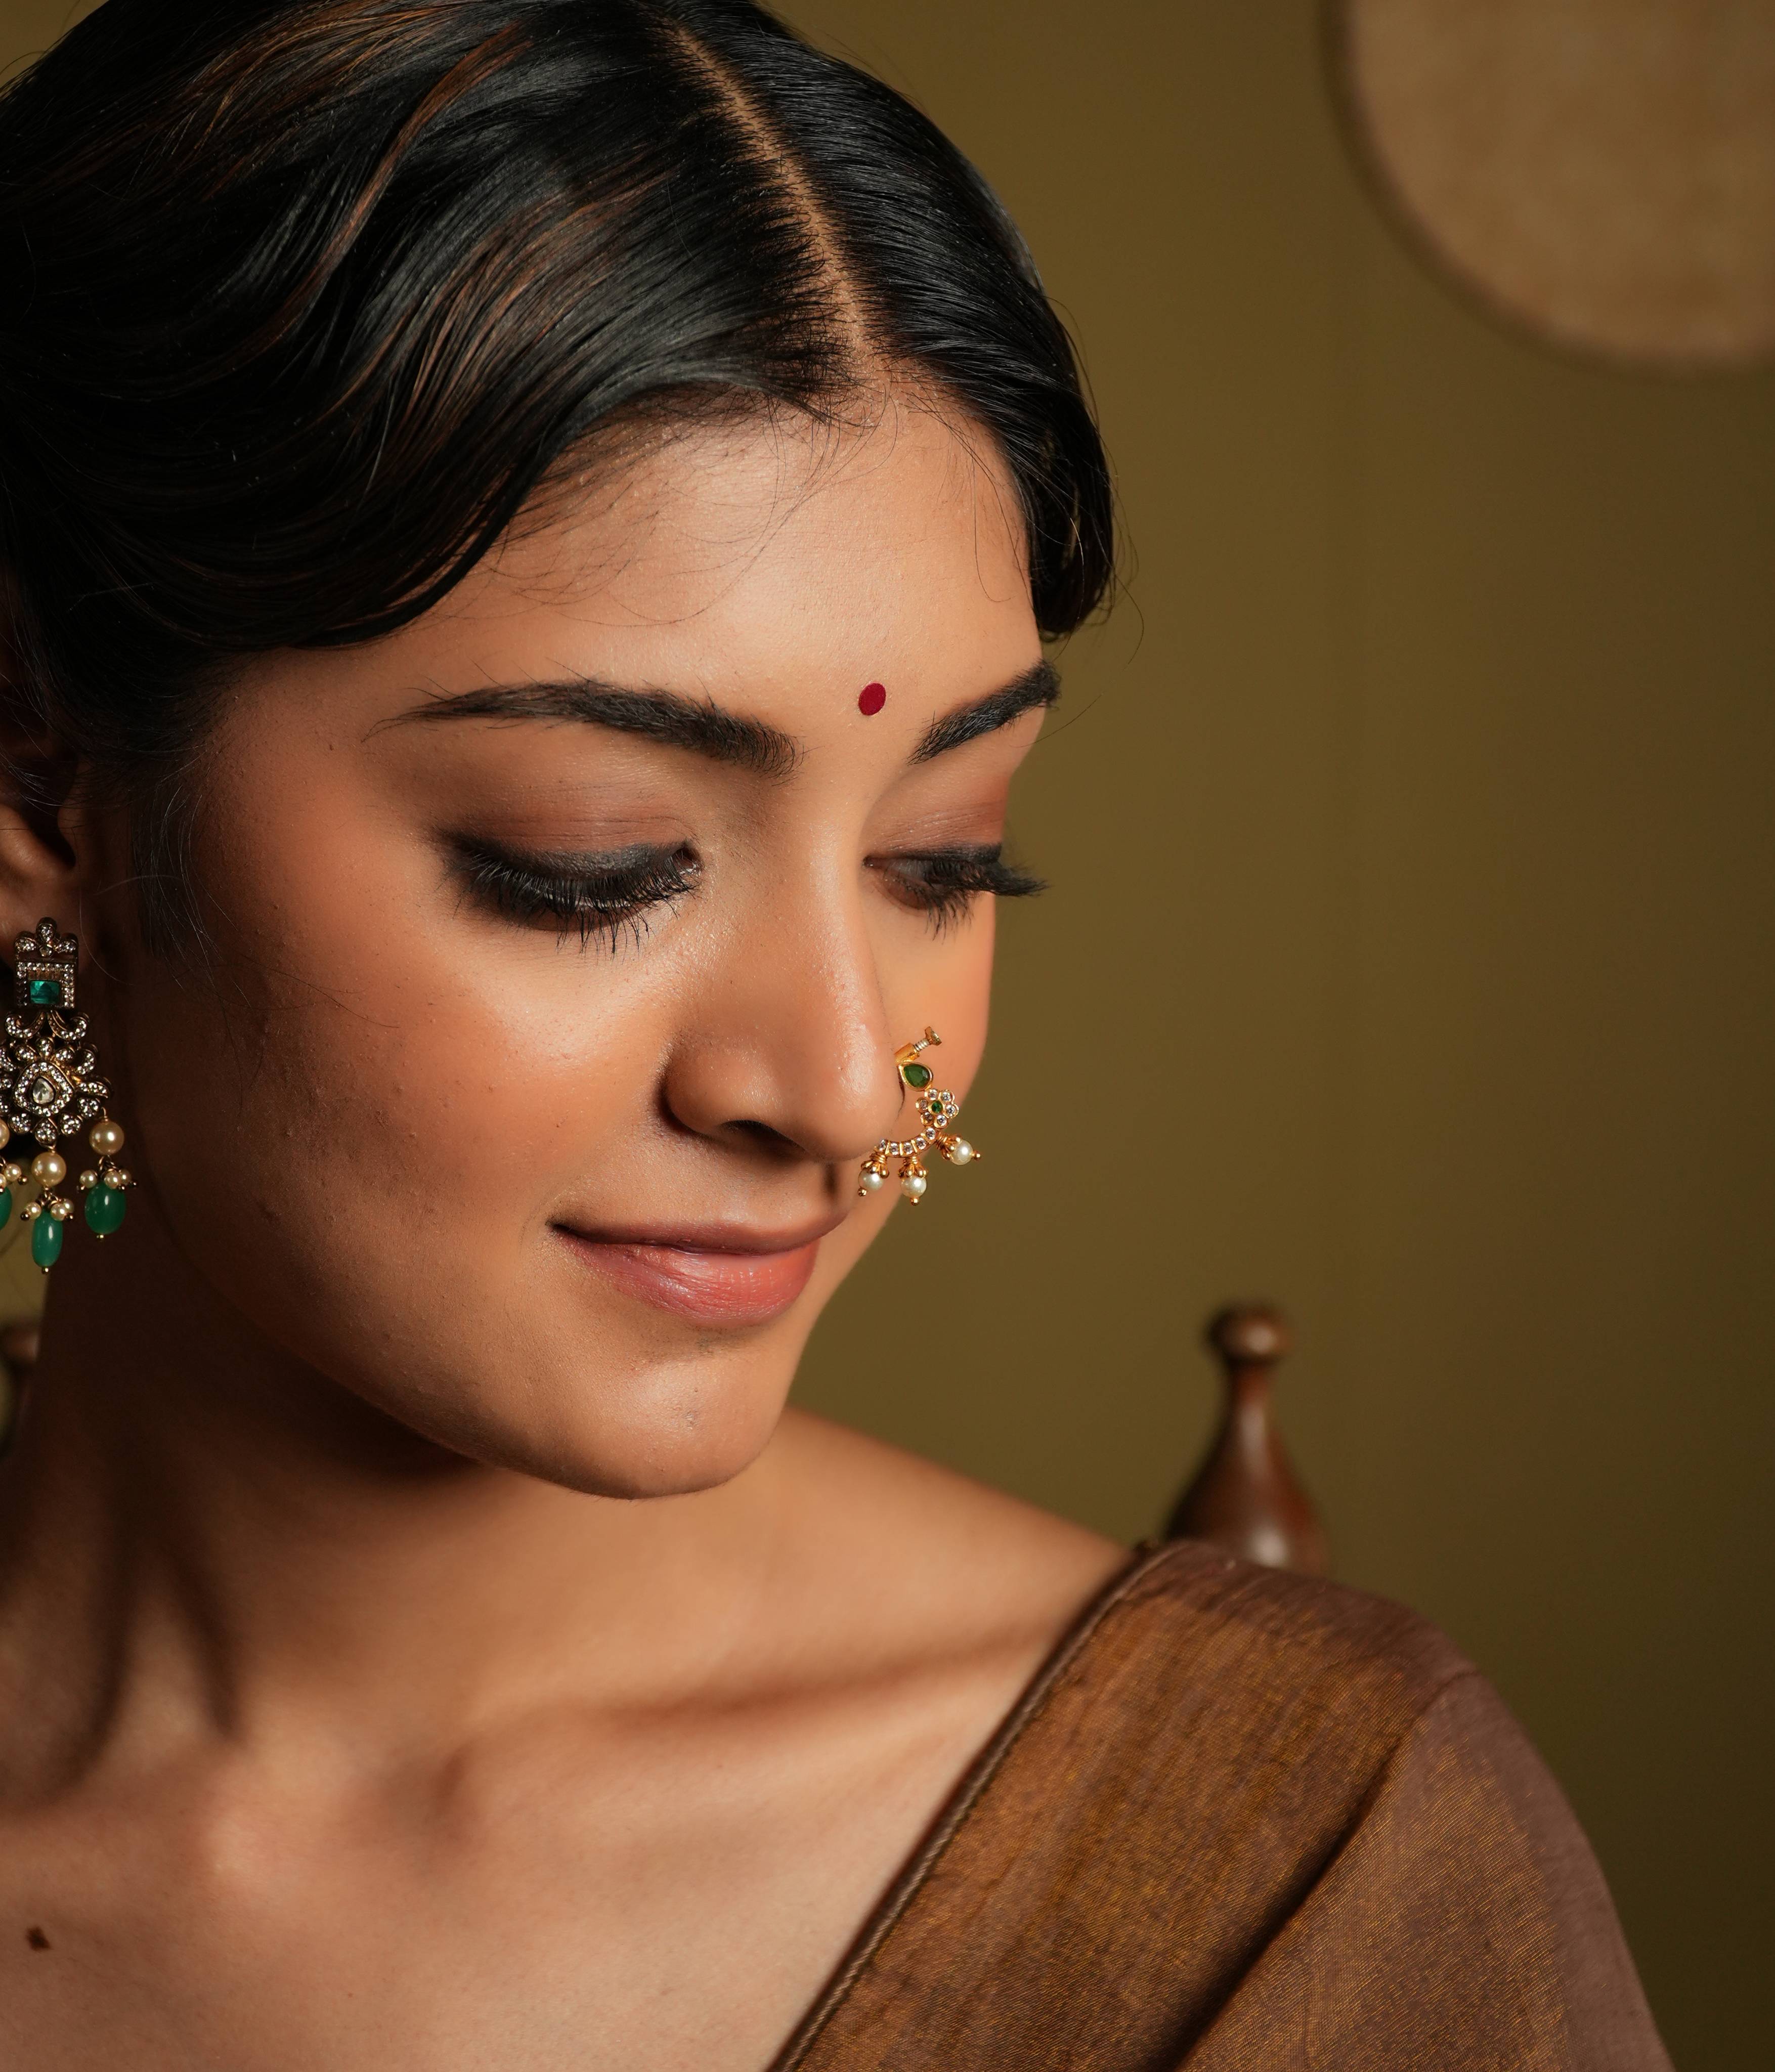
(949,880)
(607,896)
(610,896)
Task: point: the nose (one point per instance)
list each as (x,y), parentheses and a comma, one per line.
(790,1044)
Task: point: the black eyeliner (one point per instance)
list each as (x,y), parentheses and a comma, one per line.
(603,892)
(943,883)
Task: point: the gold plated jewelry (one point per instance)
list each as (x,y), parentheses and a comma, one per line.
(50,1088)
(937,1107)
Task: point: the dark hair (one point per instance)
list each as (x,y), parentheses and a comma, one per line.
(307,297)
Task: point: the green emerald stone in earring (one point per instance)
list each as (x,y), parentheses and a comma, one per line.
(44,993)
(6,1203)
(105,1207)
(46,1242)
(916,1075)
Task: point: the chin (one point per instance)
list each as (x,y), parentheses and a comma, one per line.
(659,1428)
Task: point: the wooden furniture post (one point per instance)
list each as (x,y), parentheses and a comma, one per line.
(1246,1496)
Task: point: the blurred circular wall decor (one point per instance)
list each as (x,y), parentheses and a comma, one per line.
(1601,172)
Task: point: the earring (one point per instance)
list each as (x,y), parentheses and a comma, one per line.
(50,1086)
(937,1108)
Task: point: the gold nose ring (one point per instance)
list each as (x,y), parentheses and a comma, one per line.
(936,1108)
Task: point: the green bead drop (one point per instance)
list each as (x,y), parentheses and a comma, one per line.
(6,1204)
(105,1209)
(46,1241)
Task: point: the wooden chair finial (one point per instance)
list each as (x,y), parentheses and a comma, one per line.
(1246,1496)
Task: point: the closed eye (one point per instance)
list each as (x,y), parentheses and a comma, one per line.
(608,893)
(944,882)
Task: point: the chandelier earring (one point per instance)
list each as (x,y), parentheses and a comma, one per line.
(50,1088)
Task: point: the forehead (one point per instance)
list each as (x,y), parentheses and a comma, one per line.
(753,554)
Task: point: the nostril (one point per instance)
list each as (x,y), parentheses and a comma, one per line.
(762,1134)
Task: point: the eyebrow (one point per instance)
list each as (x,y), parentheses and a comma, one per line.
(706,728)
(1039,685)
(699,725)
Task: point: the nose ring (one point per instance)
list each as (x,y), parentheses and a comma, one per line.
(936,1108)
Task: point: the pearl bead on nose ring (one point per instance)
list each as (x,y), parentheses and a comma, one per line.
(937,1108)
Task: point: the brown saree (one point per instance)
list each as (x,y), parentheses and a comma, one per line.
(1244,1820)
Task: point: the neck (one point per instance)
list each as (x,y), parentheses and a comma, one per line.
(199,1536)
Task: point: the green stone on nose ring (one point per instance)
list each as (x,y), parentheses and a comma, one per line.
(935,1112)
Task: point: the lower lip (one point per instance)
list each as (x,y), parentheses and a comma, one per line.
(730,1287)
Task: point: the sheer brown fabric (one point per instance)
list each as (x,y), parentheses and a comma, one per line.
(1245,1820)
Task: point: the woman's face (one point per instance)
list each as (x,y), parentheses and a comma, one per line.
(565,939)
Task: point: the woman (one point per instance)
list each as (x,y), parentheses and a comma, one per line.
(530,527)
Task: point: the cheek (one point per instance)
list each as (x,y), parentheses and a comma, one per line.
(367,1035)
(359,1128)
(399,1087)
(365,1171)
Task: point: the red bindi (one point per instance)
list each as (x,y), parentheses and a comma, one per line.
(873,698)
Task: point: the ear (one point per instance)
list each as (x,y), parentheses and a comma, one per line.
(42,867)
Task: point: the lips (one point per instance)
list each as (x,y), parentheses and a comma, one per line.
(718,1277)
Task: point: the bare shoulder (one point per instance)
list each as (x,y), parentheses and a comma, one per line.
(941,1561)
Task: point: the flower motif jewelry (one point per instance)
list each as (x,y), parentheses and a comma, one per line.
(50,1086)
(937,1107)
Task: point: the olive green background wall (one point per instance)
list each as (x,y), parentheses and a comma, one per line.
(1408,954)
